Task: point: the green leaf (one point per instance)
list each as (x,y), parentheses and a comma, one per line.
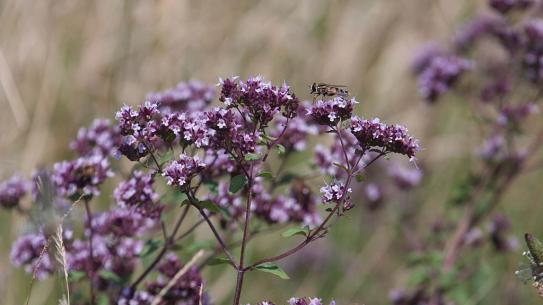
(208,205)
(150,246)
(280,149)
(237,183)
(265,174)
(252,157)
(285,179)
(341,166)
(76,275)
(218,261)
(360,177)
(273,269)
(212,186)
(296,231)
(110,276)
(166,157)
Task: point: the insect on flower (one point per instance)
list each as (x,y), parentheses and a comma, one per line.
(534,271)
(318,89)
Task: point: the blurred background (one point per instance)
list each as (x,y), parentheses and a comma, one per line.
(64,63)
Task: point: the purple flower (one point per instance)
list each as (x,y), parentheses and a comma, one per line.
(191,96)
(533,57)
(257,98)
(307,301)
(330,112)
(180,172)
(140,129)
(294,136)
(405,178)
(228,133)
(327,158)
(190,128)
(138,192)
(504,6)
(424,56)
(335,193)
(374,195)
(493,148)
(12,190)
(499,228)
(186,291)
(99,138)
(487,26)
(514,114)
(83,175)
(121,223)
(498,88)
(440,75)
(28,252)
(388,138)
(299,206)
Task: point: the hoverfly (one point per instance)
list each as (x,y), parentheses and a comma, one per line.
(534,272)
(318,89)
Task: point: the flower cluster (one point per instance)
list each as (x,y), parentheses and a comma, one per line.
(533,56)
(115,245)
(326,158)
(335,193)
(28,251)
(190,128)
(81,176)
(186,291)
(12,190)
(494,27)
(138,192)
(441,73)
(504,6)
(121,223)
(405,177)
(300,301)
(229,134)
(258,98)
(515,114)
(180,172)
(139,129)
(191,96)
(330,112)
(299,207)
(388,138)
(100,138)
(293,133)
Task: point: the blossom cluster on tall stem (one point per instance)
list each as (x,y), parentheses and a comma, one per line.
(502,93)
(225,163)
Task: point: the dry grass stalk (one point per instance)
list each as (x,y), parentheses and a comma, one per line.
(177,276)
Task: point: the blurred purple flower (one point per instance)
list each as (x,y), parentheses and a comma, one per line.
(514,114)
(504,6)
(191,96)
(12,190)
(186,291)
(440,75)
(28,252)
(81,176)
(405,177)
(100,138)
(138,193)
